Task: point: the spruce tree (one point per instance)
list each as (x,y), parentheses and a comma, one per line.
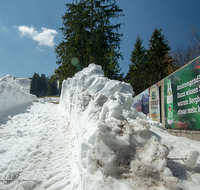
(33,82)
(157,63)
(89,37)
(43,80)
(52,87)
(137,69)
(39,85)
(35,85)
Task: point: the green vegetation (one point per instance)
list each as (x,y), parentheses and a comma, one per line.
(52,87)
(89,37)
(149,66)
(136,75)
(43,86)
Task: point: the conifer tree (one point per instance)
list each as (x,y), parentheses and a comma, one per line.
(52,87)
(157,63)
(43,89)
(33,82)
(137,69)
(39,85)
(37,88)
(89,37)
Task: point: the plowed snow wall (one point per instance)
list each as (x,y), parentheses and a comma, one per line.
(12,95)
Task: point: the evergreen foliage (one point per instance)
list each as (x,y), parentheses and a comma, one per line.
(36,85)
(137,69)
(159,60)
(89,37)
(33,83)
(42,86)
(152,65)
(52,87)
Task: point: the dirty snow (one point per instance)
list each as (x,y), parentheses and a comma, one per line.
(93,139)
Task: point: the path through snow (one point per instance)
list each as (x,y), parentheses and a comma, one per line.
(35,149)
(106,144)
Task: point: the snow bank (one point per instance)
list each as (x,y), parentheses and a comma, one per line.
(12,95)
(115,148)
(24,82)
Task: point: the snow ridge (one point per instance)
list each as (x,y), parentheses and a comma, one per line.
(13,96)
(115,147)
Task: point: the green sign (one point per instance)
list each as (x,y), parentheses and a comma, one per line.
(182,97)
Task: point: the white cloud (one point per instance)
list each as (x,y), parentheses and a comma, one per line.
(3,28)
(45,38)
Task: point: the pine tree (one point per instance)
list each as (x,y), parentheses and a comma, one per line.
(52,87)
(35,85)
(39,85)
(89,37)
(43,80)
(33,82)
(137,69)
(157,63)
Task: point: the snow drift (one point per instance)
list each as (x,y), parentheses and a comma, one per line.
(115,147)
(12,95)
(25,83)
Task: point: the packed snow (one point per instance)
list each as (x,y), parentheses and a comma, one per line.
(12,95)
(24,82)
(93,139)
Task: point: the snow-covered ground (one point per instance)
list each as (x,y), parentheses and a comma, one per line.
(36,149)
(93,139)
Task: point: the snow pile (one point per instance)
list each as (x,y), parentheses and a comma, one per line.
(191,158)
(103,144)
(24,82)
(45,99)
(12,95)
(115,148)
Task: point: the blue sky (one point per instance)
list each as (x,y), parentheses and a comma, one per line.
(30,29)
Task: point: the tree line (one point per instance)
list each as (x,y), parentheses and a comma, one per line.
(43,86)
(151,65)
(148,66)
(89,36)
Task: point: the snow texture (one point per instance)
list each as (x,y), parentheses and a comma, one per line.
(12,95)
(25,83)
(113,141)
(36,148)
(191,158)
(93,139)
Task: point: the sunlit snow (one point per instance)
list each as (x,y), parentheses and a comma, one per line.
(93,139)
